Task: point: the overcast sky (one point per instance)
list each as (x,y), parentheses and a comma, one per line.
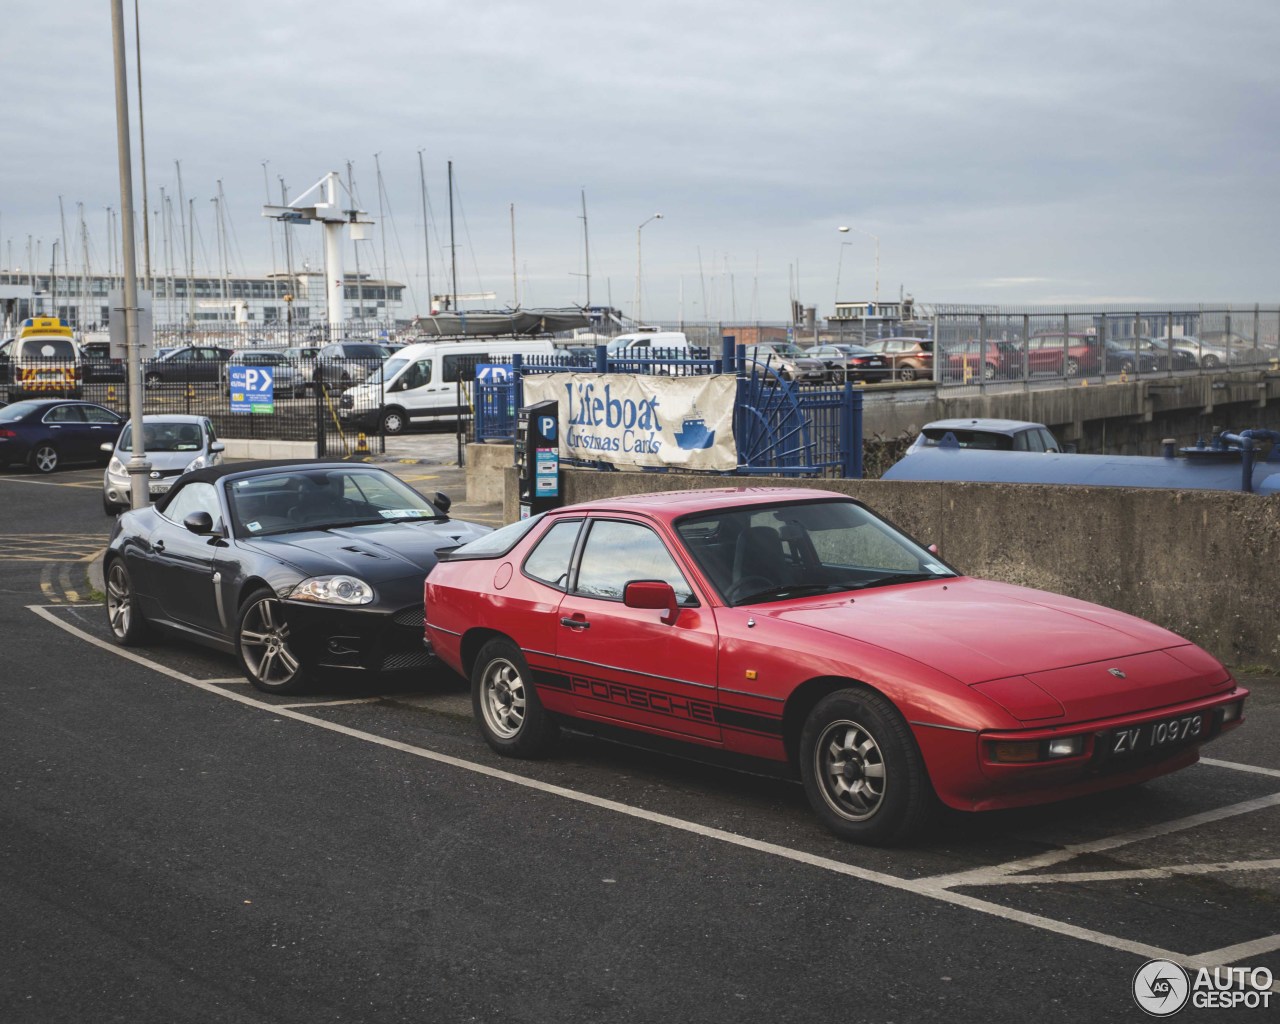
(1022,152)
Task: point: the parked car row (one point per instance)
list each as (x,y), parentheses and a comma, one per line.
(295,568)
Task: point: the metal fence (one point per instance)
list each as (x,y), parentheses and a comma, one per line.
(295,408)
(780,426)
(1100,343)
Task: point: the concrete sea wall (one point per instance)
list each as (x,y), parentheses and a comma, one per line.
(1205,564)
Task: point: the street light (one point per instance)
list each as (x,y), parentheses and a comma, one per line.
(656,216)
(875,238)
(839,264)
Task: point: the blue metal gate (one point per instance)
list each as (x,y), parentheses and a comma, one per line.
(781,427)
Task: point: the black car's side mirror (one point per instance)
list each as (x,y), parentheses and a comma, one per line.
(199,523)
(442,501)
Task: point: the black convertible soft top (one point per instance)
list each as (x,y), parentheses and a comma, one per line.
(212,474)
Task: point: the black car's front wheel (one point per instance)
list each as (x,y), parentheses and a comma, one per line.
(123,615)
(263,645)
(862,771)
(511,718)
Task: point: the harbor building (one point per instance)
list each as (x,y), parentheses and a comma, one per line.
(84,301)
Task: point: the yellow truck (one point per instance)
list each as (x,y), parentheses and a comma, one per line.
(45,361)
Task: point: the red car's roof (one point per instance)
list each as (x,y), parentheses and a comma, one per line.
(673,504)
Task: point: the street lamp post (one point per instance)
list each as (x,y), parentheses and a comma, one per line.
(656,216)
(875,238)
(839,264)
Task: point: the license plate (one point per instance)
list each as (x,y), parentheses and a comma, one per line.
(160,488)
(1169,732)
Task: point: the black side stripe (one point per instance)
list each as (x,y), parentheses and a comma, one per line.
(554,680)
(745,721)
(729,718)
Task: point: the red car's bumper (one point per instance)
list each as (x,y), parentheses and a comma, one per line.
(968,774)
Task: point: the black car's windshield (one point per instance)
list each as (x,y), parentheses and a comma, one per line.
(323,498)
(779,552)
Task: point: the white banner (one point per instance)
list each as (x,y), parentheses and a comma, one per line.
(633,420)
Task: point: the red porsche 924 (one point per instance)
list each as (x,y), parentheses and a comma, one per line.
(799,627)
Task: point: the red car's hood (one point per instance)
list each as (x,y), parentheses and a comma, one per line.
(978,630)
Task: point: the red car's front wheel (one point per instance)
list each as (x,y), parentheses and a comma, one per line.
(862,771)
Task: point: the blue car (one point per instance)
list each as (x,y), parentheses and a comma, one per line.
(46,432)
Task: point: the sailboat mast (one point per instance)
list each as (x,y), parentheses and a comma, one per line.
(453,249)
(355,246)
(586,245)
(426,232)
(271,234)
(515,285)
(382,226)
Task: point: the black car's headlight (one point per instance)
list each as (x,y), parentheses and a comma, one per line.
(333,590)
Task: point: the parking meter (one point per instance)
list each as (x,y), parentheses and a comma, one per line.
(538,458)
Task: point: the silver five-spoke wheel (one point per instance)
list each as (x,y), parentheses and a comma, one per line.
(263,646)
(123,616)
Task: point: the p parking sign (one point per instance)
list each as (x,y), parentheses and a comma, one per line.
(253,389)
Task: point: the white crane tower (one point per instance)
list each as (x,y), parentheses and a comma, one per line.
(326,208)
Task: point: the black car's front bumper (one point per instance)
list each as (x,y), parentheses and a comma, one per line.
(360,639)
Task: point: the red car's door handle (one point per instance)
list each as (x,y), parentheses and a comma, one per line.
(576,622)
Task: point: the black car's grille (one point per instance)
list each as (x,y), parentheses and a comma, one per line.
(411,616)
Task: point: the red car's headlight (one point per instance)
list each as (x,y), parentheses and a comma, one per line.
(1022,698)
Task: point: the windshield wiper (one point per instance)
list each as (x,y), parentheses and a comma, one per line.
(342,523)
(905,577)
(793,590)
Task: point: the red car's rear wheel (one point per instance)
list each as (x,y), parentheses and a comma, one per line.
(511,718)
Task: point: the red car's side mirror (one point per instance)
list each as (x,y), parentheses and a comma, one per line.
(652,594)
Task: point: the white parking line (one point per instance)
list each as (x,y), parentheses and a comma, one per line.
(995,874)
(927,887)
(331,703)
(1254,769)
(1219,867)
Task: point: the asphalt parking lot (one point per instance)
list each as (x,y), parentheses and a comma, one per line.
(605,883)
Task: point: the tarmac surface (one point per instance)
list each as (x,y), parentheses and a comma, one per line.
(175,846)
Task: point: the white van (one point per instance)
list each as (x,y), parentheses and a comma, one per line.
(421,381)
(642,344)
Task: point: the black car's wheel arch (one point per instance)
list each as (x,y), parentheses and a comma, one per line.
(805,698)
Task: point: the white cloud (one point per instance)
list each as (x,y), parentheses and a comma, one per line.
(1094,149)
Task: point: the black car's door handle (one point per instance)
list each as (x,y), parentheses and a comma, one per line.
(574,623)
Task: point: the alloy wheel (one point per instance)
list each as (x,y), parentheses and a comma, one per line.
(503,698)
(45,458)
(264,644)
(850,769)
(119,601)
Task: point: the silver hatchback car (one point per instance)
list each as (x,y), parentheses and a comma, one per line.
(175,444)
